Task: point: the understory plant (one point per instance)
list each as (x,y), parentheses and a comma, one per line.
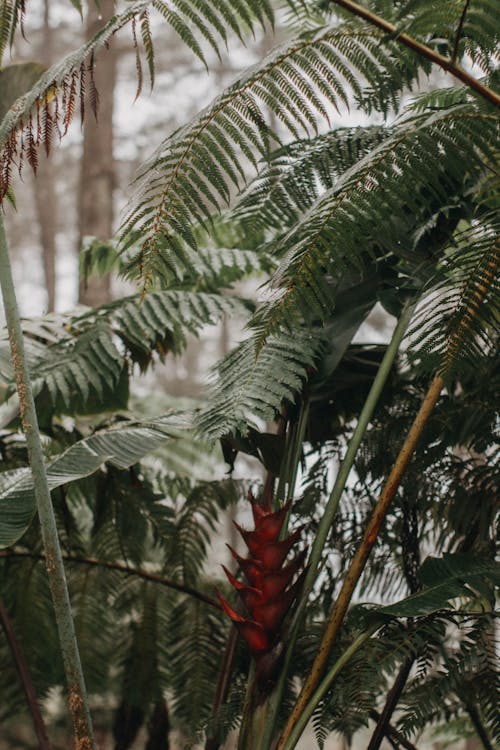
(366,596)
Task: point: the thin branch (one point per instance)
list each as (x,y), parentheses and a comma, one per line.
(138,572)
(360,559)
(393,732)
(478,726)
(393,696)
(459,32)
(26,681)
(77,694)
(421,49)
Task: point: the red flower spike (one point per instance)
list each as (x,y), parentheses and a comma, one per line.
(273,554)
(250,595)
(269,596)
(251,568)
(253,632)
(268,525)
(274,582)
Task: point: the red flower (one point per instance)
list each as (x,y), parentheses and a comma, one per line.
(270,593)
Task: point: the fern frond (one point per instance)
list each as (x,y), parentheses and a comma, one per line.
(12,15)
(21,132)
(460,317)
(192,173)
(254,383)
(360,218)
(299,172)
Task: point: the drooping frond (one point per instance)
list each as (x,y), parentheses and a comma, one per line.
(83,369)
(50,105)
(254,383)
(362,217)
(12,15)
(194,172)
(121,445)
(460,317)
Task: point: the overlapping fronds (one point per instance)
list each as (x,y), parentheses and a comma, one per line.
(195,637)
(457,28)
(48,108)
(83,369)
(363,215)
(299,172)
(121,445)
(195,171)
(460,317)
(253,384)
(466,681)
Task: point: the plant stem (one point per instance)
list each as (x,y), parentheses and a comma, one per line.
(454,54)
(78,702)
(421,49)
(382,727)
(335,495)
(478,726)
(126,569)
(26,681)
(360,558)
(393,732)
(324,687)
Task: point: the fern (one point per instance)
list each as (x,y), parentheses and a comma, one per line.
(458,321)
(31,121)
(191,174)
(338,234)
(253,383)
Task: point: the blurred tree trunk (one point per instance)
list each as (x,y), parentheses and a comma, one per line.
(44,183)
(97,173)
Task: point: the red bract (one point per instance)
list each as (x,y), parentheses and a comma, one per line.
(270,593)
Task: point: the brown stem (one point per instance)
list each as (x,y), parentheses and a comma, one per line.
(421,49)
(393,732)
(26,681)
(93,561)
(341,605)
(382,728)
(459,31)
(478,726)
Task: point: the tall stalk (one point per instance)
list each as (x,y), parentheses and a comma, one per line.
(333,503)
(257,725)
(78,702)
(360,559)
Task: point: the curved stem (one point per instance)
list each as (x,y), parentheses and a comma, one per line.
(324,687)
(78,702)
(421,49)
(341,605)
(126,569)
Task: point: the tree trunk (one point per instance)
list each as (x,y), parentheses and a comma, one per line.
(44,184)
(97,175)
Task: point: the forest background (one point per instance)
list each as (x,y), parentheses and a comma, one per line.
(79,192)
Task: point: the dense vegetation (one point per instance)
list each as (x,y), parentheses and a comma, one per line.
(389,453)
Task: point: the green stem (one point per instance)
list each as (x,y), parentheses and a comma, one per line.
(325,686)
(55,569)
(257,726)
(353,447)
(334,499)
